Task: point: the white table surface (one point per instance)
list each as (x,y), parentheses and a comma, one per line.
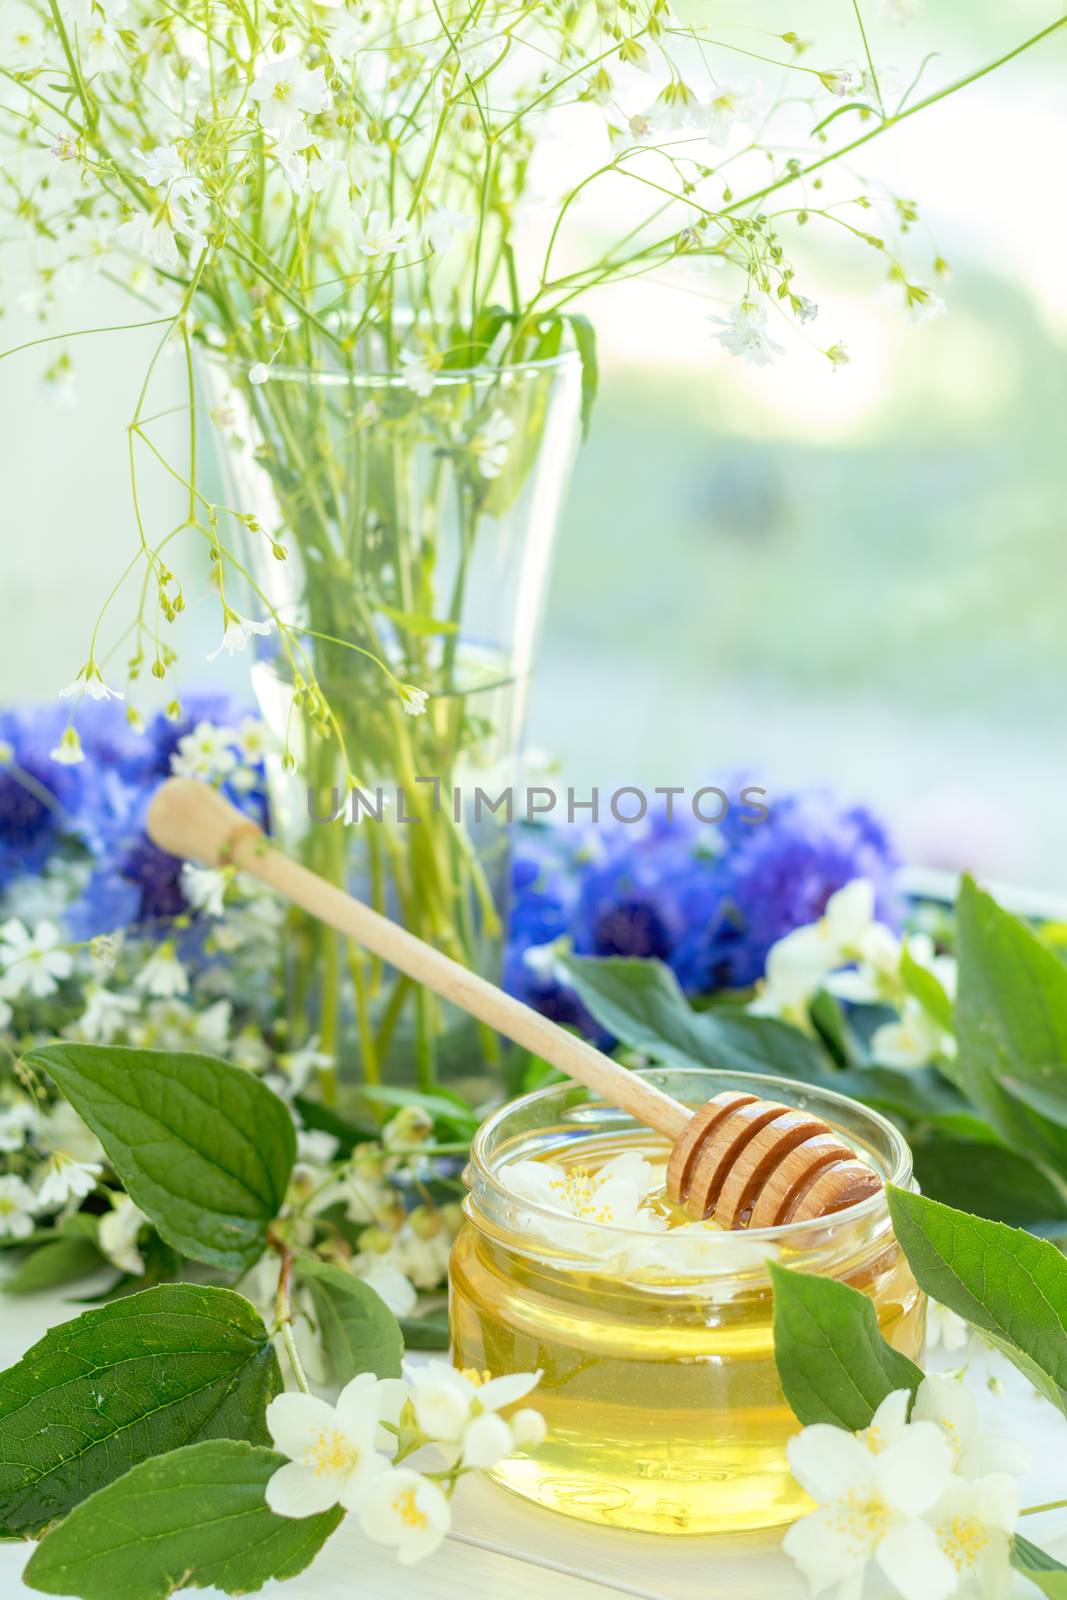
(502,1548)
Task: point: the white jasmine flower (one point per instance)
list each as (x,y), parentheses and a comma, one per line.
(150,235)
(239,630)
(441,227)
(205,753)
(977,1450)
(874,1491)
(89,682)
(33,964)
(944,1329)
(727,107)
(490,445)
(914,1041)
(286,92)
(62,1178)
(205,888)
(744,333)
(117,1235)
(378,235)
(449,1404)
(413,700)
(395,1288)
(800,962)
(419,375)
(163,974)
(298,1065)
(315,1147)
(478,50)
(404,1509)
(332,1459)
(841,81)
(613,1197)
(17,1119)
(974,1522)
(63,1130)
(17,1206)
(105,1014)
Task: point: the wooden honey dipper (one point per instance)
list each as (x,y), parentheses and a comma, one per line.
(747,1162)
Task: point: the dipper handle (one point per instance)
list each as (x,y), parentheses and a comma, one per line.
(194,821)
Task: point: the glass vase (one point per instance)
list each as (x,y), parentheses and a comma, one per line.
(398,528)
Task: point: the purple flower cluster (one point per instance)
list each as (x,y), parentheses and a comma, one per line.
(709,902)
(95,810)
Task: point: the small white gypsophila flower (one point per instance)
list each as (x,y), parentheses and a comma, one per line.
(62,1178)
(106,1014)
(346,35)
(330,1448)
(68,752)
(804,310)
(258,373)
(286,93)
(253,741)
(23,39)
(204,753)
(149,234)
(744,333)
(841,81)
(300,157)
(163,974)
(89,682)
(379,235)
(17,1206)
(163,168)
(99,46)
(442,226)
(117,1235)
(419,375)
(406,1510)
(478,49)
(412,699)
(490,445)
(676,109)
(205,888)
(34,964)
(874,1491)
(728,107)
(238,631)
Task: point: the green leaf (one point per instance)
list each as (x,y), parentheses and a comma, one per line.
(447,1109)
(1049,1574)
(1007,1283)
(60,1261)
(927,988)
(1011,1021)
(195,1517)
(914,1095)
(641,1004)
(202,1147)
(989,1179)
(425,1333)
(141,1375)
(832,1361)
(414,623)
(585,339)
(359,1332)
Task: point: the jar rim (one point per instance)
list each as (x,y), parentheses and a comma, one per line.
(898,1167)
(445,378)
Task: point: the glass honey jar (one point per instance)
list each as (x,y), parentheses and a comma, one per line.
(653,1334)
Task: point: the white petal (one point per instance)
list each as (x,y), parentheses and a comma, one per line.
(487,1440)
(298,1491)
(824,1554)
(950,1404)
(889,1421)
(912,1559)
(505,1390)
(829,1463)
(913,1472)
(850,911)
(359,1406)
(294,1421)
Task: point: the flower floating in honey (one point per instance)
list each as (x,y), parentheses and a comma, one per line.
(613,1196)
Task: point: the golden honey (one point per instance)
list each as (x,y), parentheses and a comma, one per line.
(659,1386)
